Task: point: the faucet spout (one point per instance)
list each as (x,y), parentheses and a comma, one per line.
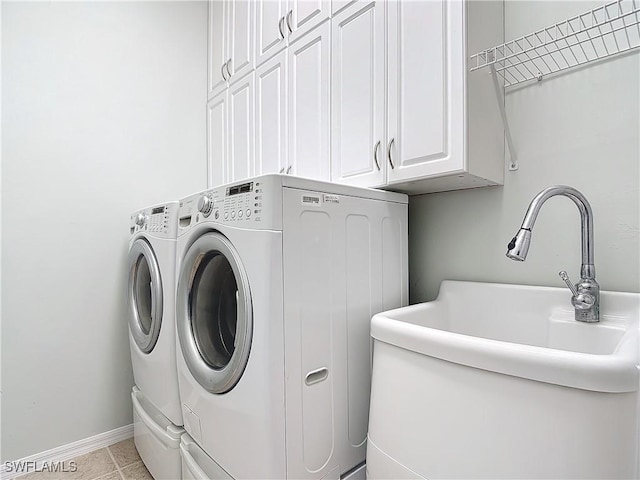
(519,245)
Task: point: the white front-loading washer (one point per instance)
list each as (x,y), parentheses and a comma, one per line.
(278,278)
(151,298)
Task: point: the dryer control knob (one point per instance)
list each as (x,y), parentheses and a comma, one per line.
(141,219)
(205,205)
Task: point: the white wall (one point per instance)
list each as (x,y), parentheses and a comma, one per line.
(580,128)
(102,113)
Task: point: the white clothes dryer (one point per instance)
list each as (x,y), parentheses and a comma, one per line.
(278,278)
(151,298)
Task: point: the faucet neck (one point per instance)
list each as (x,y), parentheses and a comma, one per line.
(588,269)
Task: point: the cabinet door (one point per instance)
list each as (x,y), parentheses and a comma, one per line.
(217,164)
(217,47)
(309,104)
(241,31)
(357,95)
(241,118)
(425,89)
(305,15)
(271,116)
(271,29)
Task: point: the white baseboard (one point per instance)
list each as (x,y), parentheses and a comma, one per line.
(69,451)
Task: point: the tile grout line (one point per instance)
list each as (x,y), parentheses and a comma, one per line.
(113,459)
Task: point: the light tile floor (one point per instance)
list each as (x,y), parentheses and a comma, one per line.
(116,462)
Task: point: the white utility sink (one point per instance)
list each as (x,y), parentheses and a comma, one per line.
(500,381)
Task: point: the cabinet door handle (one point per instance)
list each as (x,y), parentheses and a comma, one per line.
(224,77)
(288,169)
(375,155)
(282,170)
(228,67)
(389,153)
(280,27)
(289,21)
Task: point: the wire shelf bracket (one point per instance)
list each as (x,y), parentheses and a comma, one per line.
(608,30)
(513,160)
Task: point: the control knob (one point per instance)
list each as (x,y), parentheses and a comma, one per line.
(141,219)
(205,205)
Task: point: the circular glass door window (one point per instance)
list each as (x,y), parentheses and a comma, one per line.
(145,295)
(214,313)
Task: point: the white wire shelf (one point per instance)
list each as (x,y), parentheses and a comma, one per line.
(604,31)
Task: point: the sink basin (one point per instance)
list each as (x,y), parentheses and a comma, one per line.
(500,381)
(524,331)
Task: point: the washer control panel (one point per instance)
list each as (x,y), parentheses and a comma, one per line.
(154,220)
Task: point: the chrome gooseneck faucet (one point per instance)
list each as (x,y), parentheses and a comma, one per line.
(586,293)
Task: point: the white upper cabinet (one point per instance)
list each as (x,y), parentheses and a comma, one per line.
(231,42)
(292,109)
(435,137)
(364,92)
(271,31)
(425,133)
(358,95)
(309,123)
(271,116)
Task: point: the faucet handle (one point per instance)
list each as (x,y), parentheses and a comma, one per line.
(565,276)
(581,301)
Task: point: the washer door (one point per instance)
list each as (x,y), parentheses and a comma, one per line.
(214,313)
(145,295)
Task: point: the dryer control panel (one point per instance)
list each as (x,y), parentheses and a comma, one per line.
(249,204)
(241,202)
(235,204)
